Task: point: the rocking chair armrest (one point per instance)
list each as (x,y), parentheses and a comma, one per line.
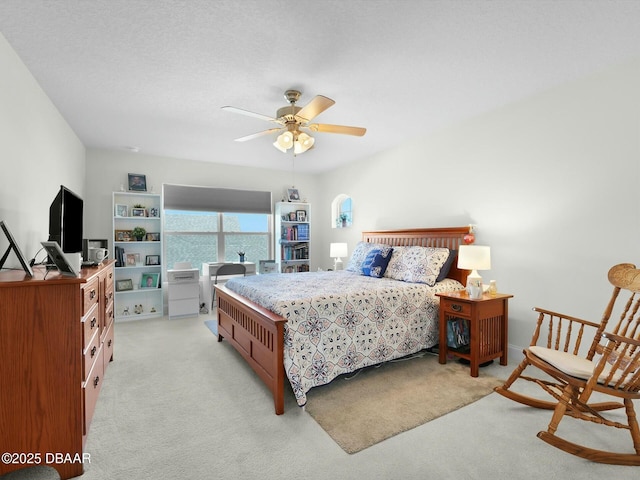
(567,317)
(621,339)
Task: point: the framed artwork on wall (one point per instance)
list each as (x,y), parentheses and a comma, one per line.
(137,182)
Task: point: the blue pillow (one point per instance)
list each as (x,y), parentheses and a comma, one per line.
(444,271)
(376,261)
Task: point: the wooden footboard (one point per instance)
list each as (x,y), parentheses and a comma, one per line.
(258,335)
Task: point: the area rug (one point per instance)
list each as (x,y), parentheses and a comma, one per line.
(381,402)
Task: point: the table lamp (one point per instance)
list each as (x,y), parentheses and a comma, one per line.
(474,258)
(337,250)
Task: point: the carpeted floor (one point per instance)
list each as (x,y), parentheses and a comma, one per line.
(380,402)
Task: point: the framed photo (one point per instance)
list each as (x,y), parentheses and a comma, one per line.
(301,215)
(293,195)
(153,212)
(267,266)
(292,216)
(150,280)
(152,260)
(132,259)
(138,212)
(124,285)
(122,235)
(137,182)
(153,237)
(122,210)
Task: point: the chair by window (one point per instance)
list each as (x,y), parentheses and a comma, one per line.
(226,270)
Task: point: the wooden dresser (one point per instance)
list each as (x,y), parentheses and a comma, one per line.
(56,340)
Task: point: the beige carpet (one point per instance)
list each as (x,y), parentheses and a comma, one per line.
(379,403)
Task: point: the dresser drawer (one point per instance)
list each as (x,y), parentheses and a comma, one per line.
(90,325)
(455,307)
(91,390)
(107,346)
(90,294)
(90,354)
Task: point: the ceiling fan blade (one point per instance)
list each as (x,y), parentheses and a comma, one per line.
(343,129)
(249,114)
(314,108)
(256,135)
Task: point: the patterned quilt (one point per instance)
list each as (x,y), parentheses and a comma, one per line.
(339,322)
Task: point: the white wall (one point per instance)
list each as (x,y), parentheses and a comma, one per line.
(107,171)
(551,183)
(38,153)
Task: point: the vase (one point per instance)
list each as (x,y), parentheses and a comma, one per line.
(241,258)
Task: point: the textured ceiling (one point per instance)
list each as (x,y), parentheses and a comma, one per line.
(153,74)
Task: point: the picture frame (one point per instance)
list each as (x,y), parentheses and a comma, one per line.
(138,212)
(137,182)
(122,235)
(58,258)
(121,210)
(267,266)
(152,260)
(293,195)
(124,285)
(292,216)
(150,280)
(153,236)
(301,215)
(132,259)
(154,212)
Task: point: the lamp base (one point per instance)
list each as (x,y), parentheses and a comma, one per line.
(337,264)
(474,285)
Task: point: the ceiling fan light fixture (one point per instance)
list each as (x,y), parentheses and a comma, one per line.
(303,143)
(284,141)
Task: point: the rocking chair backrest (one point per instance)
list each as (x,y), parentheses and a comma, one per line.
(565,333)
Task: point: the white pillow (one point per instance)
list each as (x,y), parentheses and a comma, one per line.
(416,264)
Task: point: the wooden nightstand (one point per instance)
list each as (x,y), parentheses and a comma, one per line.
(488,318)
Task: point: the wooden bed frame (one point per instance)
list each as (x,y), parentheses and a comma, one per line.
(258,334)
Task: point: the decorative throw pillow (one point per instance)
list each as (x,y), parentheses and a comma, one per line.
(417,264)
(376,261)
(359,254)
(444,271)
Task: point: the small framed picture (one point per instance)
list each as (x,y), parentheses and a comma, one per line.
(292,216)
(153,237)
(293,195)
(124,285)
(152,260)
(122,235)
(301,215)
(138,212)
(149,280)
(137,182)
(132,259)
(153,212)
(122,210)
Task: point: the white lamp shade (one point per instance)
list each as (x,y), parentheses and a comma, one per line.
(303,143)
(337,250)
(474,257)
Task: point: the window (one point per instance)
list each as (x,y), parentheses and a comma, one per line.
(199,237)
(341,211)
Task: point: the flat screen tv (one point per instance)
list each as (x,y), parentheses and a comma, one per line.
(65,220)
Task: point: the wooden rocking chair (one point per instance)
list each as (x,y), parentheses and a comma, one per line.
(564,338)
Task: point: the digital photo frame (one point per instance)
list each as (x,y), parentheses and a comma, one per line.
(14,246)
(57,257)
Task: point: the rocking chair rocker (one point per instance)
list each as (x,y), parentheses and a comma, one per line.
(611,367)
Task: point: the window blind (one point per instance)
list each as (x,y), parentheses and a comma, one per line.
(212,199)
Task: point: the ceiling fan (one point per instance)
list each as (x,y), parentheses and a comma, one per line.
(295,123)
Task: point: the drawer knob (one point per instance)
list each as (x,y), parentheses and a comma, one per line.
(109,343)
(93,350)
(456,308)
(96,381)
(93,322)
(92,294)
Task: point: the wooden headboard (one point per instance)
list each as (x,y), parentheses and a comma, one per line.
(446,237)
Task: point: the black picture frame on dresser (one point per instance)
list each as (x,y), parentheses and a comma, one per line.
(13,245)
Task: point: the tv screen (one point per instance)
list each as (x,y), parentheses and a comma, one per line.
(65,220)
